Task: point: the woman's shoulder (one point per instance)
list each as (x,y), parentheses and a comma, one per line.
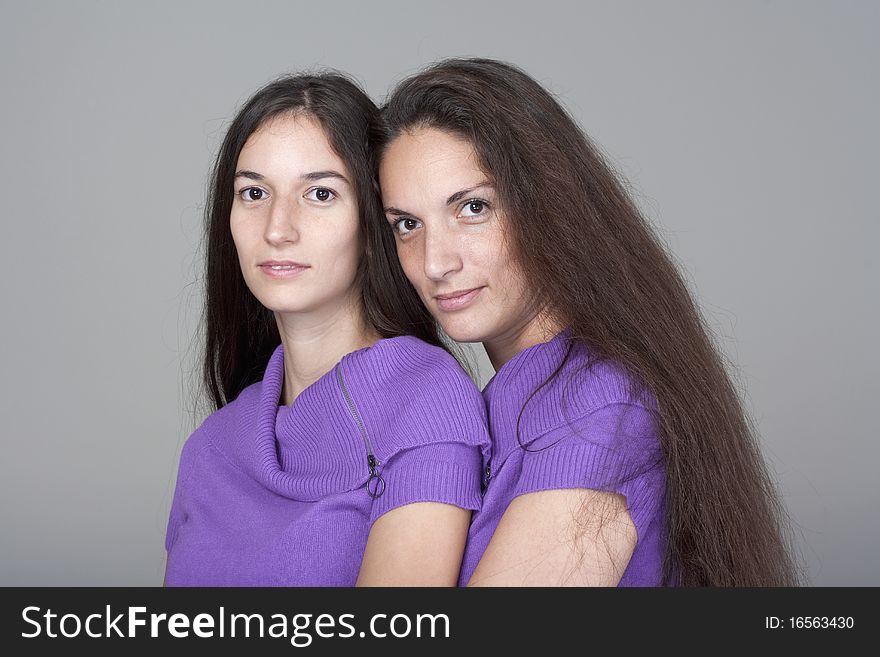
(219,425)
(408,360)
(578,386)
(411,392)
(605,398)
(598,382)
(416,349)
(595,408)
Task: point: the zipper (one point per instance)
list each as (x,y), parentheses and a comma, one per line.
(375,484)
(487,475)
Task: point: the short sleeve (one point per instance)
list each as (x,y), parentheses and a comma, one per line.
(426,423)
(613,448)
(447,472)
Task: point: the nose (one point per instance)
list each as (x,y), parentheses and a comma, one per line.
(442,255)
(283,219)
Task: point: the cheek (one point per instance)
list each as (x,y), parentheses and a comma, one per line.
(340,244)
(505,275)
(485,260)
(410,263)
(240,238)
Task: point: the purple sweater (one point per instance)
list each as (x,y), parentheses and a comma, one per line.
(271,495)
(582,430)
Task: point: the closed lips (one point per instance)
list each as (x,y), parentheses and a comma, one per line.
(282,269)
(278,264)
(453,295)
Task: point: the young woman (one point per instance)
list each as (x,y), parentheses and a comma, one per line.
(347,445)
(620,451)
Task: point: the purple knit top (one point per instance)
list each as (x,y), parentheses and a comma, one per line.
(271,495)
(581,430)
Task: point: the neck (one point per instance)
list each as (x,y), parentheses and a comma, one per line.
(539,328)
(313,343)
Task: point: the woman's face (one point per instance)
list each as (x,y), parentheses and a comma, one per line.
(450,236)
(294,218)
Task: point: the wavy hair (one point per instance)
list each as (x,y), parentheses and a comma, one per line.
(594,260)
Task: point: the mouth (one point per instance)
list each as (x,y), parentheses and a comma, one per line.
(281,268)
(457,300)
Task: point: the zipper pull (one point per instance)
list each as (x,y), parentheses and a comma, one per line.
(375,484)
(487,475)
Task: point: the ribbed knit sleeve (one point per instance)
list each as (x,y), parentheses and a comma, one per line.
(613,448)
(425,421)
(436,472)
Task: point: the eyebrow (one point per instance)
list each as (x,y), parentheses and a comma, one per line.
(460,195)
(449,201)
(244,173)
(310,176)
(318,175)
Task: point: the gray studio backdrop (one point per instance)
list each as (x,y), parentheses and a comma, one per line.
(747,130)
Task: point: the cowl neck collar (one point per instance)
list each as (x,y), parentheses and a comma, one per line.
(553,350)
(311,448)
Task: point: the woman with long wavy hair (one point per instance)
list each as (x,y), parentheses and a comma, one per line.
(346,445)
(621,453)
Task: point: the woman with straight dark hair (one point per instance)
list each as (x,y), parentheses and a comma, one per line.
(347,445)
(621,453)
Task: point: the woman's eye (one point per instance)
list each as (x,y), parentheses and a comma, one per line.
(406,225)
(321,194)
(473,208)
(252,194)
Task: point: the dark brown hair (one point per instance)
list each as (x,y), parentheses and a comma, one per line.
(604,274)
(241,333)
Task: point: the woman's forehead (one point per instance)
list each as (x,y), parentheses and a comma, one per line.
(436,162)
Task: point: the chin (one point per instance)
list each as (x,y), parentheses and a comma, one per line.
(284,304)
(462,330)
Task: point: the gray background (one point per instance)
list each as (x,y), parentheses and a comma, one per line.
(748,131)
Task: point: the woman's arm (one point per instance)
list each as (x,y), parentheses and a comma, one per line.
(418,544)
(564,537)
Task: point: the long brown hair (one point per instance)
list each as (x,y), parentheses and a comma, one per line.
(604,274)
(241,333)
